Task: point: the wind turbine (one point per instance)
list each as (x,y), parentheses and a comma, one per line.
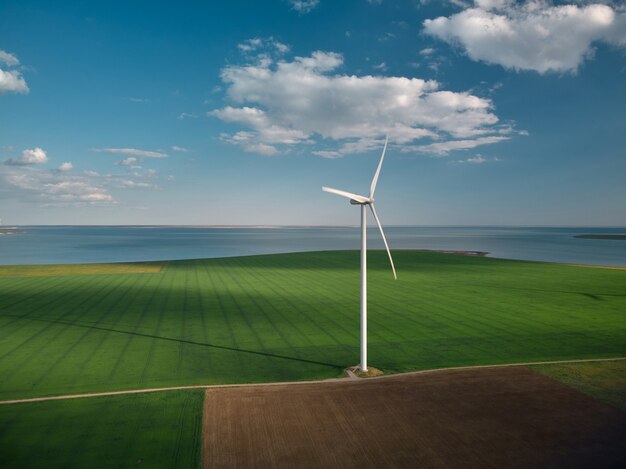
(364,202)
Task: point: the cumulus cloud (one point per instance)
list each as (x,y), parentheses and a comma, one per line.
(285,103)
(132,152)
(65,166)
(303,6)
(532,35)
(11,81)
(29,157)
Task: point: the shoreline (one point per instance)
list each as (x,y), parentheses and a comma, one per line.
(465,253)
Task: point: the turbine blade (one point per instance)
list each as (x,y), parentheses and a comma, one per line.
(382,233)
(357,198)
(380,164)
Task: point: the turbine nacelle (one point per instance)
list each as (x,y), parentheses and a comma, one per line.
(354,202)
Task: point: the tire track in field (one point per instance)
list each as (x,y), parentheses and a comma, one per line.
(245,291)
(202,312)
(253,273)
(303,313)
(55,322)
(122,355)
(104,336)
(153,342)
(244,315)
(462,326)
(183,315)
(491,321)
(180,433)
(301,270)
(469,325)
(322,292)
(28,283)
(218,296)
(45,303)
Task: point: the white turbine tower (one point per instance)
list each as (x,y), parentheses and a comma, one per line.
(364,202)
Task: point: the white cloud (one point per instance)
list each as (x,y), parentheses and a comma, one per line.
(130,161)
(9,59)
(303,6)
(381,66)
(386,37)
(130,184)
(11,81)
(97,197)
(54,187)
(74,190)
(262,44)
(478,159)
(63,187)
(137,100)
(29,157)
(250,44)
(297,102)
(179,149)
(532,35)
(65,166)
(131,152)
(262,149)
(443,148)
(265,129)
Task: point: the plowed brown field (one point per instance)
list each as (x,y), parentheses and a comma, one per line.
(499,417)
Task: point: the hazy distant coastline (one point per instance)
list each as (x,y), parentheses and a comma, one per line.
(620,237)
(88,243)
(11,230)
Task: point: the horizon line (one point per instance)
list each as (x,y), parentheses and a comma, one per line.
(253,226)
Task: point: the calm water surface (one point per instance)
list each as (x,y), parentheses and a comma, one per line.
(78,244)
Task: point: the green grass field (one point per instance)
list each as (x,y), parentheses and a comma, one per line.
(603,380)
(293,317)
(134,430)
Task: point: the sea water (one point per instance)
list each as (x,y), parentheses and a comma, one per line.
(82,244)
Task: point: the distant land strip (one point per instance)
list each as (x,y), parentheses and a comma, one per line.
(350,377)
(11,230)
(617,237)
(609,267)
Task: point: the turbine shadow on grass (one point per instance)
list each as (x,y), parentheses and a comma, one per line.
(184,341)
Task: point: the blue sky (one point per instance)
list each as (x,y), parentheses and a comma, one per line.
(498,112)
